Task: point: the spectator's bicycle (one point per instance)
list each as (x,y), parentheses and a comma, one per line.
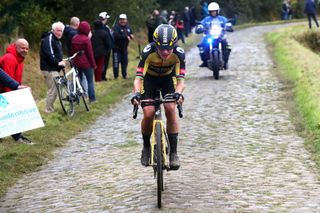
(160,147)
(69,88)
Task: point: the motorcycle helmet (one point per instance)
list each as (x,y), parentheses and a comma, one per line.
(165,36)
(214,6)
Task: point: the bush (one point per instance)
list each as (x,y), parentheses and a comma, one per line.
(35,21)
(311,40)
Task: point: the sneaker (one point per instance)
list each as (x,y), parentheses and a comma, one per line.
(145,156)
(47,111)
(174,161)
(24,140)
(204,64)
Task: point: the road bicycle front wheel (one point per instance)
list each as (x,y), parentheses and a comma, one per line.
(159,162)
(64,87)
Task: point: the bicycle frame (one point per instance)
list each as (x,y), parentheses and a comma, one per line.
(75,80)
(70,90)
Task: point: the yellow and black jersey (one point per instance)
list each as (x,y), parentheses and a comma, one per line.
(151,63)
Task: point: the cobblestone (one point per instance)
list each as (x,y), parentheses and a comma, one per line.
(238,148)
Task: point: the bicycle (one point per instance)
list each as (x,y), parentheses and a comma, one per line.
(160,146)
(69,88)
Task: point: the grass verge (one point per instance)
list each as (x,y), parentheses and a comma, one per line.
(19,159)
(299,66)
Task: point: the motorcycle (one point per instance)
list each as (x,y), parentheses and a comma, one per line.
(213,45)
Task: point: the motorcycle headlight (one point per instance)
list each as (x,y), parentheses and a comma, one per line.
(209,40)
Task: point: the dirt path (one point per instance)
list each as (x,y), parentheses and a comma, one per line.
(239,151)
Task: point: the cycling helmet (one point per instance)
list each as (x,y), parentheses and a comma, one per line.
(165,36)
(213,6)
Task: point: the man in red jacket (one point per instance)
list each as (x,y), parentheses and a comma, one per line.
(12,63)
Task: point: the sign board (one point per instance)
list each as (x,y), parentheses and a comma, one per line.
(18,112)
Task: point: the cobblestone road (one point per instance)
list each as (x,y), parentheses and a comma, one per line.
(238,149)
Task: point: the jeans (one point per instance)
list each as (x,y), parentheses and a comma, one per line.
(89,76)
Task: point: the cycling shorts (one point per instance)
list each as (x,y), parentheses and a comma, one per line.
(166,84)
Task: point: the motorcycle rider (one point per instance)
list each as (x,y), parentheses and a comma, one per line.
(205,24)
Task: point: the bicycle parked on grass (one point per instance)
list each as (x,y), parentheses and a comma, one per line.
(160,147)
(69,88)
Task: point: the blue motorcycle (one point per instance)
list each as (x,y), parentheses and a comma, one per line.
(212,46)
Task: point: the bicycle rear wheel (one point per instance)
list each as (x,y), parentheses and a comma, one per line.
(64,87)
(159,162)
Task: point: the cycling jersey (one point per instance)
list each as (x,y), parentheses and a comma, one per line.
(151,63)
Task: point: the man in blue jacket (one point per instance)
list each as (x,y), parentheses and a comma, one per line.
(311,10)
(214,16)
(7,81)
(51,61)
(123,34)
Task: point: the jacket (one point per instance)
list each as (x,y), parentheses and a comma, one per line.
(100,40)
(120,34)
(12,63)
(81,42)
(68,34)
(50,53)
(7,82)
(310,7)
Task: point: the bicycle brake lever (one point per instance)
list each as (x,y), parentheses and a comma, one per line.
(135,111)
(179,106)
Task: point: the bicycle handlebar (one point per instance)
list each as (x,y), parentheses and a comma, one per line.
(74,55)
(179,107)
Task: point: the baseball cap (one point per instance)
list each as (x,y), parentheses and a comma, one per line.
(123,16)
(104,15)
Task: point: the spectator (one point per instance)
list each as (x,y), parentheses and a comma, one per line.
(172,20)
(7,81)
(164,16)
(180,28)
(289,10)
(12,63)
(186,21)
(193,16)
(70,31)
(101,47)
(51,61)
(173,13)
(153,21)
(103,17)
(311,11)
(84,62)
(122,33)
(204,9)
(285,10)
